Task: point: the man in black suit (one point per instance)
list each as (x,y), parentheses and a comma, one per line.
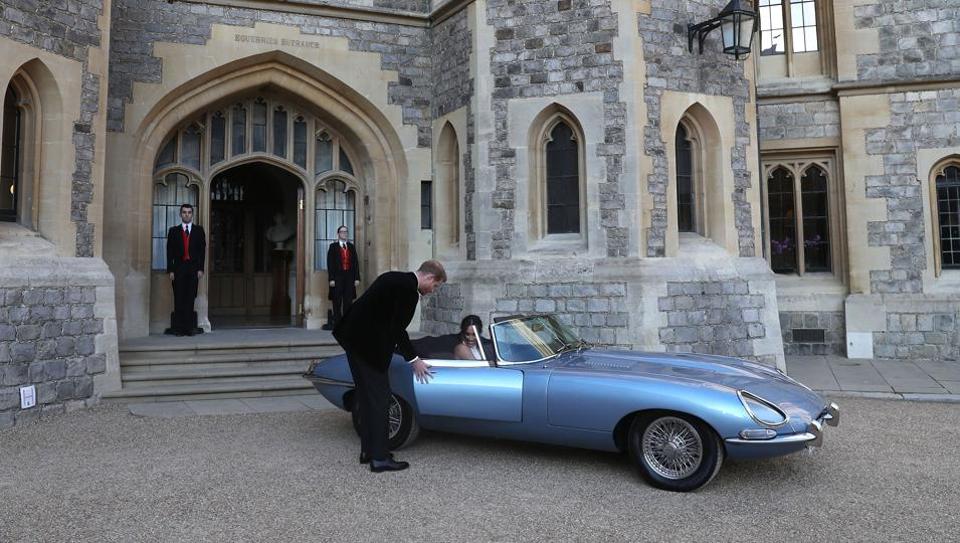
(343,270)
(370,331)
(186,251)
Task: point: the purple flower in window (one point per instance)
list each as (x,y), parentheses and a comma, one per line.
(781,246)
(813,242)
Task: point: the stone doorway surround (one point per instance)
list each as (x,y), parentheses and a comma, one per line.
(380,157)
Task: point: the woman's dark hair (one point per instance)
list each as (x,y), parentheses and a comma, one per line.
(468,321)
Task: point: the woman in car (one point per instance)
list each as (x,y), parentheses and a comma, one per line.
(468,346)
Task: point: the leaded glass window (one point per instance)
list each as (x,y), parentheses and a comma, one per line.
(259,122)
(300,142)
(563,181)
(168,154)
(336,206)
(10,156)
(168,196)
(773,40)
(280,131)
(426,205)
(685,217)
(345,162)
(799,219)
(323,153)
(783,221)
(239,130)
(218,138)
(948,213)
(191,147)
(803,22)
(816,220)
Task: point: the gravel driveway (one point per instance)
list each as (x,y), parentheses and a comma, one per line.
(889,471)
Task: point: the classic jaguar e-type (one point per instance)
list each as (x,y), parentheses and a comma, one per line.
(678,415)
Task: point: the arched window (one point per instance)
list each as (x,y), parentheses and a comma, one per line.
(686,220)
(169,192)
(947,182)
(447,186)
(336,205)
(280,131)
(11,156)
(259,126)
(218,137)
(783,221)
(238,134)
(799,216)
(816,220)
(562,180)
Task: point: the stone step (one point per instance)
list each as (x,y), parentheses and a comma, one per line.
(208,371)
(211,388)
(218,357)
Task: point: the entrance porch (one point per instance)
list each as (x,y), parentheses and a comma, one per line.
(220,364)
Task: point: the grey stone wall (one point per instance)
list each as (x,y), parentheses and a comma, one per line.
(453,89)
(443,310)
(138,24)
(421,6)
(47,339)
(411,6)
(916,335)
(918,120)
(918,39)
(831,322)
(797,120)
(712,317)
(551,48)
(452,84)
(671,67)
(67,28)
(597,312)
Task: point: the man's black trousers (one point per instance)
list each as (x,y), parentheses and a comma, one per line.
(373,401)
(342,297)
(185,284)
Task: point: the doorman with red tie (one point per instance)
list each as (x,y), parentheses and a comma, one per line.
(343,270)
(186,252)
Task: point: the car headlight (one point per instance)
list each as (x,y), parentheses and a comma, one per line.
(760,410)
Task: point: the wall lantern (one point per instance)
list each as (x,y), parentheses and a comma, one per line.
(737,24)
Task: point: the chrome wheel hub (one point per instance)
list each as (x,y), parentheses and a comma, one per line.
(672,448)
(394,417)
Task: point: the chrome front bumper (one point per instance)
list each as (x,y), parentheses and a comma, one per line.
(813,437)
(829,416)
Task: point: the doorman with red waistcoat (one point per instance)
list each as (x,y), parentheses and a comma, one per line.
(343,269)
(186,252)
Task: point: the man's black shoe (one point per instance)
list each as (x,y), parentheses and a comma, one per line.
(378,466)
(178,333)
(365,458)
(190,333)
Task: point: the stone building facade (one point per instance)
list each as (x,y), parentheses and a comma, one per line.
(562,156)
(875,106)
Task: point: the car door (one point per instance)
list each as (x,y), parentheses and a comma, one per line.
(471,389)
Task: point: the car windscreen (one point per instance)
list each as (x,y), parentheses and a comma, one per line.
(528,339)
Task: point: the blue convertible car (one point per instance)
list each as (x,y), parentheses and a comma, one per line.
(678,415)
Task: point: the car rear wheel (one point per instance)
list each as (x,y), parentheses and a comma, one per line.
(402,427)
(674,451)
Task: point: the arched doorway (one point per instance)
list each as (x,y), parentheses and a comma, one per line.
(255,245)
(260,171)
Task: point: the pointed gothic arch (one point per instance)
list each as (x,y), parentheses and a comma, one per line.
(374,148)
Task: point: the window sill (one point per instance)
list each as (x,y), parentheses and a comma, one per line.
(560,244)
(949,281)
(819,282)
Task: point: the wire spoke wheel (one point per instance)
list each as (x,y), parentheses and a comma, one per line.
(672,448)
(394,417)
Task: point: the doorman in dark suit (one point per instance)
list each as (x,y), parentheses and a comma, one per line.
(370,331)
(186,251)
(343,269)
